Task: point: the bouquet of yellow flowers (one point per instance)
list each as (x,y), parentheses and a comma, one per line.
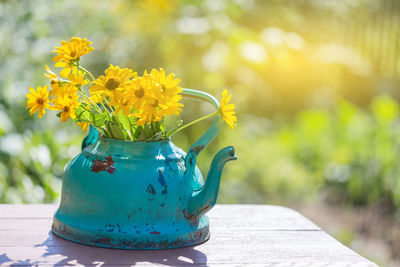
(119,104)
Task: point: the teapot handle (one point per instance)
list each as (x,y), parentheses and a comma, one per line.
(208,136)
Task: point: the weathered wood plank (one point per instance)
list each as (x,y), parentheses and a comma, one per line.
(27,211)
(184,257)
(257,248)
(15,224)
(250,235)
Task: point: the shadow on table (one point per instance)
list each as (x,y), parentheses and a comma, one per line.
(87,255)
(82,254)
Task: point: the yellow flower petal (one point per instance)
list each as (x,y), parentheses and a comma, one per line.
(65,71)
(84,125)
(64,116)
(227,110)
(61,64)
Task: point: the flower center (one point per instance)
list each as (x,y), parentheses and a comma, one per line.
(163,88)
(66,109)
(73,54)
(139,93)
(112,84)
(40,101)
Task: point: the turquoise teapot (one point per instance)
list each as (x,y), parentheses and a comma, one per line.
(140,195)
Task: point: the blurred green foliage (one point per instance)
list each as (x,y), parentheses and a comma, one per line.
(351,152)
(315,83)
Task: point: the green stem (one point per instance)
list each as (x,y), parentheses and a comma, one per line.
(101,131)
(88,98)
(164,134)
(107,131)
(153,128)
(193,122)
(102,104)
(85,70)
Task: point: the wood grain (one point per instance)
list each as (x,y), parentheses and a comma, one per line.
(241,235)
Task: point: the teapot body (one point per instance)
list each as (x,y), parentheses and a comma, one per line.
(130,195)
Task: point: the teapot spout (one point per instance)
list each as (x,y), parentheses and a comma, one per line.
(204,199)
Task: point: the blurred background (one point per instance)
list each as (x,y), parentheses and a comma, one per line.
(316,85)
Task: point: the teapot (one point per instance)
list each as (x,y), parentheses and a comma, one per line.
(140,195)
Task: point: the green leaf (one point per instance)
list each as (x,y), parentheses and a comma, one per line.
(82,114)
(133,120)
(147,131)
(137,132)
(124,121)
(97,119)
(117,132)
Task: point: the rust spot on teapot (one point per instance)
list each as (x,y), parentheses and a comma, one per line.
(192,217)
(106,165)
(155,233)
(198,148)
(151,190)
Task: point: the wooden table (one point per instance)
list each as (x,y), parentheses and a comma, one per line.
(241,235)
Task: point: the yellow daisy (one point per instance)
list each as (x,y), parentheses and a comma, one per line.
(140,90)
(169,84)
(67,105)
(227,110)
(38,100)
(70,52)
(116,79)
